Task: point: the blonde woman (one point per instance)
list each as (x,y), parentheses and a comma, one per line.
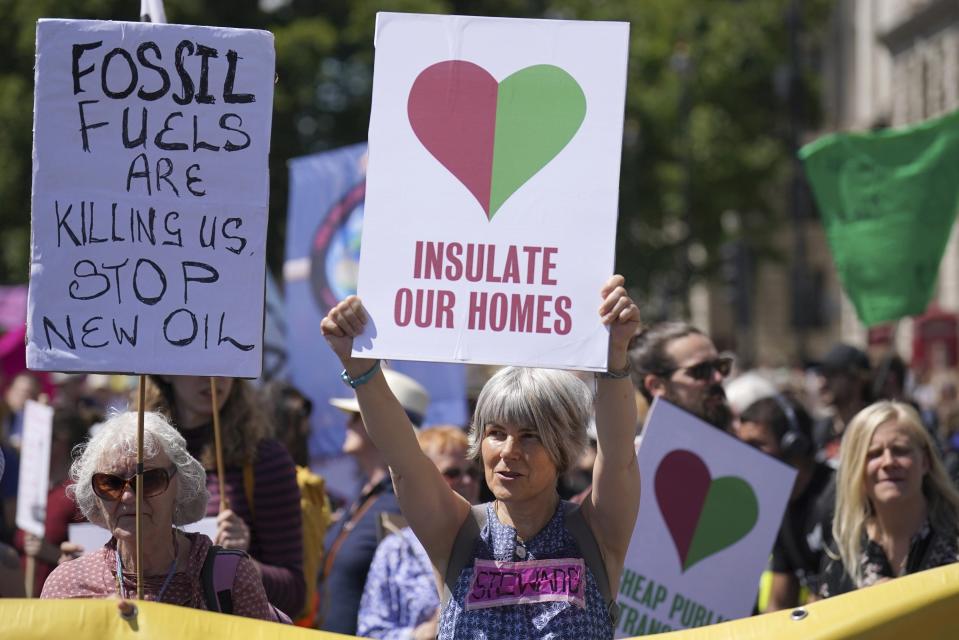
(896,509)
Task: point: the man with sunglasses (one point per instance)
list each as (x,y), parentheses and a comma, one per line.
(679,363)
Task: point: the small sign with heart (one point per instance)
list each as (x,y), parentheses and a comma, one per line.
(492,189)
(704,515)
(709,513)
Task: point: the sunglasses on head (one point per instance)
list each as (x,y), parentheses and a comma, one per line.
(110,487)
(704,370)
(455,473)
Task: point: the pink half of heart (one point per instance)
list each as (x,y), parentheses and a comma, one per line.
(452,109)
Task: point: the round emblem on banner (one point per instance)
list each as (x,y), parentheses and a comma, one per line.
(335,250)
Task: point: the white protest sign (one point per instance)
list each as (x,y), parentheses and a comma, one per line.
(150,191)
(92,536)
(34,483)
(207,526)
(88,535)
(492,189)
(710,510)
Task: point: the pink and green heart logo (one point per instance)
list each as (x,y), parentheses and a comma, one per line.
(494,136)
(704,515)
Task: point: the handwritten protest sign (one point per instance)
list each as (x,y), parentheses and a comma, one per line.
(492,189)
(709,513)
(34,483)
(150,190)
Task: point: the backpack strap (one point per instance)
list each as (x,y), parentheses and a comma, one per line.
(389,523)
(248,486)
(217,576)
(578,528)
(462,551)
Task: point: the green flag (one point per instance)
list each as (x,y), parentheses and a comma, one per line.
(887,200)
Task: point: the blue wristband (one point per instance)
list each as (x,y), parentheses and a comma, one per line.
(361,379)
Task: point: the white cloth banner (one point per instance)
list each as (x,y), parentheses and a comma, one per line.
(150,193)
(492,189)
(710,510)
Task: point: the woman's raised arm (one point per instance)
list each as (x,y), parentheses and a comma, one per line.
(614,503)
(432,508)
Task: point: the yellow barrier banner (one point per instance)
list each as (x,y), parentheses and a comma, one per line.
(924,605)
(83,619)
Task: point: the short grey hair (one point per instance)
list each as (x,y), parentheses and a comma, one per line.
(117,438)
(555,404)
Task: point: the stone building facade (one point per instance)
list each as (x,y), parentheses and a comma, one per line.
(885,63)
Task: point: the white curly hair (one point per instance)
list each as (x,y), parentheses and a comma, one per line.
(117,439)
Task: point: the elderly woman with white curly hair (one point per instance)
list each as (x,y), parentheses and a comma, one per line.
(174,493)
(526,565)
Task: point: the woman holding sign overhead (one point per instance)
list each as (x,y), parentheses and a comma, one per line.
(263,500)
(527,564)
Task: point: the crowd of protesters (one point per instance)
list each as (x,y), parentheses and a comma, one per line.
(542,473)
(875,495)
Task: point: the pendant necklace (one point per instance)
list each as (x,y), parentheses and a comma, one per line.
(520,546)
(121,589)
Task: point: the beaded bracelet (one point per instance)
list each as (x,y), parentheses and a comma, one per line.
(361,379)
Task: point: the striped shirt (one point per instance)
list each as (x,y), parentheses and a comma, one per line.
(276,530)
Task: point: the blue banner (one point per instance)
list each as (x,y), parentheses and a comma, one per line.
(324,224)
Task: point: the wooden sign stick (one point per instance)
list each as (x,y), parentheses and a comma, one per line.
(29,572)
(140,404)
(218,445)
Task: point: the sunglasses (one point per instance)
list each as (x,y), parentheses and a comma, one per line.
(456,473)
(110,487)
(703,371)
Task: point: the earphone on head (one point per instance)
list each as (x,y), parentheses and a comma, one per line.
(794,442)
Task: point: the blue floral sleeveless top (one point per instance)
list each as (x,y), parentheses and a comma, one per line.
(540,620)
